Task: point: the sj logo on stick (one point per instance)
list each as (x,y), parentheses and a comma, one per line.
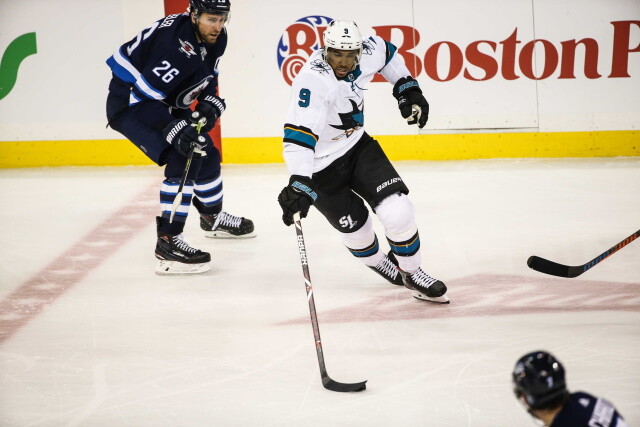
(12,57)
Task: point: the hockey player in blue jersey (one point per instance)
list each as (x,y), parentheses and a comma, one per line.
(336,166)
(540,386)
(156,77)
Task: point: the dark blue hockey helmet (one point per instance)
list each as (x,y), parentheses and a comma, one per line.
(538,381)
(215,7)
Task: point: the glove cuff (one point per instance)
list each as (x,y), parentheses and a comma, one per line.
(173,129)
(404,85)
(304,185)
(216,102)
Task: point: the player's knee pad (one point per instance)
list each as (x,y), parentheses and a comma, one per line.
(361,238)
(176,164)
(363,243)
(210,164)
(397,215)
(344,210)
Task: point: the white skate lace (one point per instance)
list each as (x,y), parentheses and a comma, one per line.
(183,244)
(227,220)
(423,279)
(387,267)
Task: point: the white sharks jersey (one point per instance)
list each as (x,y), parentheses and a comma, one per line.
(326,114)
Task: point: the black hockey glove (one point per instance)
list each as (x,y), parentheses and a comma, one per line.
(298,196)
(211,108)
(183,136)
(413,106)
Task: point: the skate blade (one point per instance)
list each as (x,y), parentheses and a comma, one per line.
(171,268)
(438,300)
(219,234)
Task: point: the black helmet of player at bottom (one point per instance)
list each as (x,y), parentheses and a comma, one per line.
(214,7)
(538,381)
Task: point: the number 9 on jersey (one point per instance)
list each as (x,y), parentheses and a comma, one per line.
(305,97)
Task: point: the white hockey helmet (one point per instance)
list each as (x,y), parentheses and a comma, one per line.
(343,35)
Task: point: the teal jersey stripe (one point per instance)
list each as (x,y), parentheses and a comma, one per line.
(391,50)
(296,136)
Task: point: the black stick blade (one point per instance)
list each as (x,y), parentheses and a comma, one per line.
(553,268)
(332,385)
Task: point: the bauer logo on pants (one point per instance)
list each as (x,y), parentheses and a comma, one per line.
(387,183)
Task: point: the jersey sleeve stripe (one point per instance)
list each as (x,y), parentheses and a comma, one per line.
(122,68)
(300,135)
(149,90)
(391,50)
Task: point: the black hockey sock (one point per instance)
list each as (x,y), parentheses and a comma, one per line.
(203,209)
(164,227)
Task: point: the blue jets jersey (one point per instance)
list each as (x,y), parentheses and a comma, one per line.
(165,62)
(583,409)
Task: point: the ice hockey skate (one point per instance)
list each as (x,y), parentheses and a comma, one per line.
(425,287)
(421,285)
(175,256)
(226,226)
(387,269)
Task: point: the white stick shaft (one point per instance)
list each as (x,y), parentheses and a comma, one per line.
(174,206)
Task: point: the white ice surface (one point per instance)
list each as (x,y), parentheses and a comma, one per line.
(234,347)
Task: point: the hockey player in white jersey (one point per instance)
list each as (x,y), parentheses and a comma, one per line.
(335,165)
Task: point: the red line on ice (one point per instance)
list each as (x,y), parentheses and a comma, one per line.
(492,295)
(46,286)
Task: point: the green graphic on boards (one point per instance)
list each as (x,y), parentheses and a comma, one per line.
(16,52)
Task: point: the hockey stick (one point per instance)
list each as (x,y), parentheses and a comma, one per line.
(178,199)
(549,267)
(327,382)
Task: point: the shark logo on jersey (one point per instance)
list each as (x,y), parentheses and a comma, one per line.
(351,121)
(367,47)
(320,66)
(187,48)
